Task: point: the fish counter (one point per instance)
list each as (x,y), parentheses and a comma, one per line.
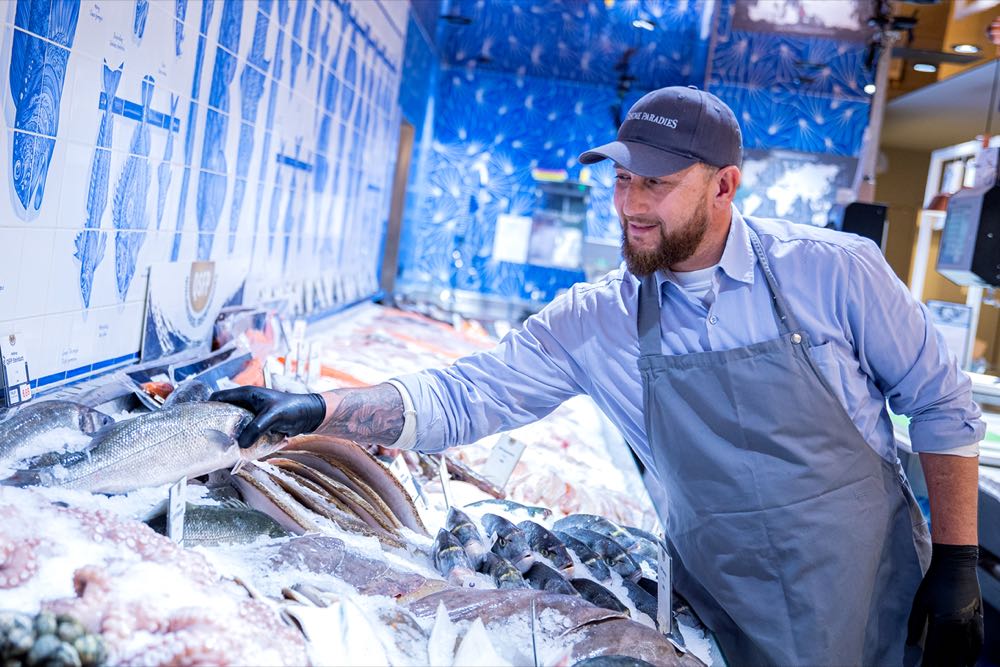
(314,550)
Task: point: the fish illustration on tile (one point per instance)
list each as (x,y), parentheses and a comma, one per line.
(199,60)
(139,22)
(313,36)
(272,217)
(290,217)
(327,107)
(251,91)
(36,76)
(214,170)
(90,243)
(128,210)
(163,172)
(180,10)
(296,46)
(276,69)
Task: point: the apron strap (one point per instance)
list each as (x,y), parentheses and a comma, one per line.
(649,317)
(786,319)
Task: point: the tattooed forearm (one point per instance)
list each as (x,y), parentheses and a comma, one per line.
(373,415)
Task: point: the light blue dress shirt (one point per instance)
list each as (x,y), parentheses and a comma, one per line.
(872,341)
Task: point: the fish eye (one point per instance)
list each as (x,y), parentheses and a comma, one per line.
(17,169)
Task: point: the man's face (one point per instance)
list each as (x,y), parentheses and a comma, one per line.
(663,219)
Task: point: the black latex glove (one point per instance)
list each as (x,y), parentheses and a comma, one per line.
(274,411)
(950,604)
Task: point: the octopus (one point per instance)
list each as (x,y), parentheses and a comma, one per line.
(18,561)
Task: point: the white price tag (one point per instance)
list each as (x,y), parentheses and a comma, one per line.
(664,604)
(399,468)
(445,481)
(503,458)
(176,504)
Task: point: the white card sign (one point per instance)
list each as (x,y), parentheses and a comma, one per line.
(14,370)
(176,504)
(503,458)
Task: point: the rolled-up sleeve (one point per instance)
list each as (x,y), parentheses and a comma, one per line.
(525,377)
(912,366)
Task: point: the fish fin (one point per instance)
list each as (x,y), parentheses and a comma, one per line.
(239,466)
(216,437)
(234,503)
(19,59)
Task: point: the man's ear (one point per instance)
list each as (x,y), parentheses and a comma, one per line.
(727,181)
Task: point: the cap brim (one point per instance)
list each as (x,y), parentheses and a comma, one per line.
(639,158)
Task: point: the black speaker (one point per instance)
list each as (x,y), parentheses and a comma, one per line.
(867,220)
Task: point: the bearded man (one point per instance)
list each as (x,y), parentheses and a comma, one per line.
(749,364)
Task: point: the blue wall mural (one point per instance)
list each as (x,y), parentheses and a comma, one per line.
(138,130)
(531,85)
(36,75)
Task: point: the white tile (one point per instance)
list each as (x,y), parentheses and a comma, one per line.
(11,248)
(64,292)
(81,99)
(34,271)
(104,29)
(55,351)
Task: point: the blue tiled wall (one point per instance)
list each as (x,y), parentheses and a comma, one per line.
(545,95)
(257,133)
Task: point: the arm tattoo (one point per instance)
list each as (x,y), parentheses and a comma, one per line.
(373,415)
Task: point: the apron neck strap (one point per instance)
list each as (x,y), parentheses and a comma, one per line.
(649,317)
(786,320)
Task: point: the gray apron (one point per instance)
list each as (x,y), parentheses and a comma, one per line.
(794,541)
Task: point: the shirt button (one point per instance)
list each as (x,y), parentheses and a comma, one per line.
(796,339)
(713,320)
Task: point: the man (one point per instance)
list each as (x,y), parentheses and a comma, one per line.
(748,362)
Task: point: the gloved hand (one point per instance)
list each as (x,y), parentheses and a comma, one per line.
(274,411)
(949,602)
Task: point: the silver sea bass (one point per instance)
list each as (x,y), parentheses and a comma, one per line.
(158,448)
(34,423)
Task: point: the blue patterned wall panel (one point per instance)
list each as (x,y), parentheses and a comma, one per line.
(36,75)
(185,135)
(582,41)
(795,93)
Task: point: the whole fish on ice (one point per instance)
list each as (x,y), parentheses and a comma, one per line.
(510,541)
(158,448)
(230,523)
(461,526)
(35,422)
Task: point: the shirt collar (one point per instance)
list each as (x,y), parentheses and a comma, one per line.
(738,258)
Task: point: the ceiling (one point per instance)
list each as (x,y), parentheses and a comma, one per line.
(944,113)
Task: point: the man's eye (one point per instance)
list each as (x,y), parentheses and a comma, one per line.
(621,177)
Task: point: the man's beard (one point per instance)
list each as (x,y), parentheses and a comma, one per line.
(670,250)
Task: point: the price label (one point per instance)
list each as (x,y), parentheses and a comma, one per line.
(399,468)
(664,604)
(503,458)
(445,481)
(175,510)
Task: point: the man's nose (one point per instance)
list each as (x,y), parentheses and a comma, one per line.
(633,203)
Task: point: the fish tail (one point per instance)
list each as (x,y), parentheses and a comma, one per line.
(148,84)
(64,17)
(111,79)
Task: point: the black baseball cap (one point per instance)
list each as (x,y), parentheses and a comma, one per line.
(671,129)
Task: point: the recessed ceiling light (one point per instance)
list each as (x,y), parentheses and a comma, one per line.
(965,48)
(643,24)
(870,89)
(925,67)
